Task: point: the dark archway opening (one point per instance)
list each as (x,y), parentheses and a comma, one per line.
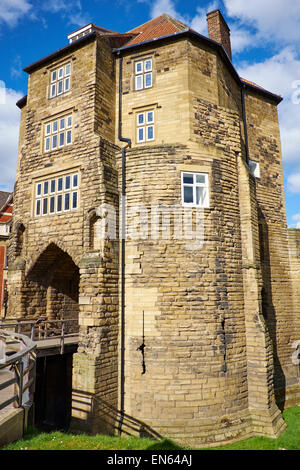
(53,393)
(52,291)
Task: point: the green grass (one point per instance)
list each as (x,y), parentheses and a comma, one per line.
(34,440)
(289,440)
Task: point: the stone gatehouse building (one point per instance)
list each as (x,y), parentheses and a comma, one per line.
(160,116)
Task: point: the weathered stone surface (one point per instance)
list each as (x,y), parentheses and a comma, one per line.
(219,318)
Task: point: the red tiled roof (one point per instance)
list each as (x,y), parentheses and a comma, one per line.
(5,218)
(251,83)
(165,25)
(161,26)
(8,208)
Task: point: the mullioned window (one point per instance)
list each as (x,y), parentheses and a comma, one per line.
(56,195)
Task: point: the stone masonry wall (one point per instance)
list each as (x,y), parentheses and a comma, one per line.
(294,256)
(61,238)
(265,148)
(216,289)
(192,299)
(213,310)
(170,103)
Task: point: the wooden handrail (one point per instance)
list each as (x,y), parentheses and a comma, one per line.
(32,322)
(24,375)
(29,346)
(46,332)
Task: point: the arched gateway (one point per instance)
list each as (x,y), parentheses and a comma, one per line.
(54,284)
(49,290)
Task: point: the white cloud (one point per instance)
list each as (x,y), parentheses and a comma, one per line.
(11,11)
(294,183)
(16,68)
(278,74)
(240,38)
(296,217)
(165,6)
(79,19)
(71,10)
(275,20)
(54,6)
(199,22)
(9,136)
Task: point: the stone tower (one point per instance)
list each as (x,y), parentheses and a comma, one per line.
(183,292)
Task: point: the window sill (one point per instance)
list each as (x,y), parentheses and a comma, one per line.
(142,89)
(193,206)
(62,95)
(61,149)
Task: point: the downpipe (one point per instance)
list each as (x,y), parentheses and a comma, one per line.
(123,234)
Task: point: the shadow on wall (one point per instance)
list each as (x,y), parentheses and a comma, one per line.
(109,416)
(268,310)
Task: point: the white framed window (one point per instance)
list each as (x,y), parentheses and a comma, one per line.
(59,185)
(254,168)
(38,207)
(58,133)
(38,189)
(57,195)
(45,206)
(145,126)
(194,189)
(75,181)
(52,186)
(143,74)
(52,205)
(60,81)
(59,204)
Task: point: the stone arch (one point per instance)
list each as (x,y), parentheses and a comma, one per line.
(63,247)
(52,285)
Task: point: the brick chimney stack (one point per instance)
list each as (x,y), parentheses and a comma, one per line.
(218,30)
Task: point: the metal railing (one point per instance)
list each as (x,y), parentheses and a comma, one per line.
(18,359)
(43,329)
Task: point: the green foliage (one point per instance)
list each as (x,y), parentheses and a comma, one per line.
(34,440)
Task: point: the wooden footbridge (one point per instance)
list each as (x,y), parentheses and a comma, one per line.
(51,336)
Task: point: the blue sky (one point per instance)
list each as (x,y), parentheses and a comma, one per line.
(266,49)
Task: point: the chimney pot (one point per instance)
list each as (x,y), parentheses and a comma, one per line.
(218,30)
